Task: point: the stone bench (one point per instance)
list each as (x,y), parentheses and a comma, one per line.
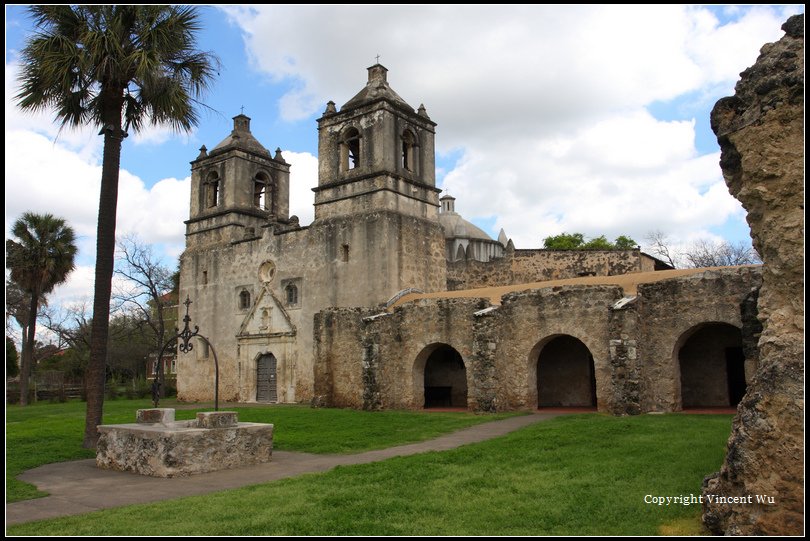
(159,446)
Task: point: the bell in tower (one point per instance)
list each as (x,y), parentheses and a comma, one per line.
(237,186)
(376,152)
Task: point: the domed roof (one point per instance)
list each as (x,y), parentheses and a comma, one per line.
(376,88)
(241,138)
(457,227)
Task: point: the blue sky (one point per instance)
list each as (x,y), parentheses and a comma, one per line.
(591,119)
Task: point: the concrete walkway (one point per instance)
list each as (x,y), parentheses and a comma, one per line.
(79,487)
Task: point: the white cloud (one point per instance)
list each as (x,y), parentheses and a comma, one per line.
(49,177)
(546,105)
(303,177)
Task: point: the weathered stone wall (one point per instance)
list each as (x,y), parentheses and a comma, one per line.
(761,134)
(528,321)
(160,447)
(670,311)
(364,259)
(526,266)
(373,359)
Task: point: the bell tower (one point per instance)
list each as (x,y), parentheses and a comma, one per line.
(236,188)
(376,153)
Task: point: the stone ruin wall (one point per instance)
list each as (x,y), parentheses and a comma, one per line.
(526,266)
(370,359)
(761,135)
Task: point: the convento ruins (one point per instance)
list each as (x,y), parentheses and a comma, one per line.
(390,299)
(452,317)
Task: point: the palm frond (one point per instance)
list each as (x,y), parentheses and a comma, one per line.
(82,56)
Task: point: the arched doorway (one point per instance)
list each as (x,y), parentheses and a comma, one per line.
(565,374)
(266,378)
(712,366)
(445,377)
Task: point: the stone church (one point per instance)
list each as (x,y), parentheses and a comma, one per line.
(453,317)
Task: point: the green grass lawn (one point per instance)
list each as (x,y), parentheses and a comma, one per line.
(44,433)
(583,474)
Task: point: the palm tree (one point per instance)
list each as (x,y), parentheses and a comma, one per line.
(116,67)
(39,260)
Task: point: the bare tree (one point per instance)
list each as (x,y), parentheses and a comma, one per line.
(659,245)
(702,253)
(706,253)
(70,324)
(148,289)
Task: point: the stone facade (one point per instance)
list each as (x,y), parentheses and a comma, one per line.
(257,277)
(526,266)
(761,134)
(629,350)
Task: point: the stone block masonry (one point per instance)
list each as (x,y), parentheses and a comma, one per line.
(761,135)
(159,446)
(560,346)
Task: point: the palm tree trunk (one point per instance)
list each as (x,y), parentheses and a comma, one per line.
(105,255)
(28,349)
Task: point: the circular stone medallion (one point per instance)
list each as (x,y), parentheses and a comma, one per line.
(267,271)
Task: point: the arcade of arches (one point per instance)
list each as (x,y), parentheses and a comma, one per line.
(564,347)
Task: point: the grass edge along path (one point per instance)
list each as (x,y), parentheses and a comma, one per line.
(45,433)
(575,475)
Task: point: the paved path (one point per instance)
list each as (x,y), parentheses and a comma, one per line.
(79,487)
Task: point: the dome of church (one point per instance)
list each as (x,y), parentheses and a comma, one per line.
(455,226)
(463,239)
(241,138)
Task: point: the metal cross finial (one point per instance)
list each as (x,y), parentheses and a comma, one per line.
(184,344)
(378,59)
(186,335)
(243,109)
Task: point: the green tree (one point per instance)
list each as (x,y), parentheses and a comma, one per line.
(12,368)
(576,241)
(116,67)
(564,241)
(39,260)
(599,243)
(625,243)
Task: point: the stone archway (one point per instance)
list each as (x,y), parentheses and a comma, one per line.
(442,375)
(712,366)
(565,373)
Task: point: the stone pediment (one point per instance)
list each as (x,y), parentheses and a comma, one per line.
(267,317)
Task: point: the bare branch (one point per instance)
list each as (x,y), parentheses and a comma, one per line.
(659,245)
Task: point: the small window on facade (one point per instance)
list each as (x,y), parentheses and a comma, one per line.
(205,277)
(408,150)
(262,192)
(345,252)
(350,150)
(244,300)
(292,295)
(212,191)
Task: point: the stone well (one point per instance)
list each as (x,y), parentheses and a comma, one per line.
(159,446)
